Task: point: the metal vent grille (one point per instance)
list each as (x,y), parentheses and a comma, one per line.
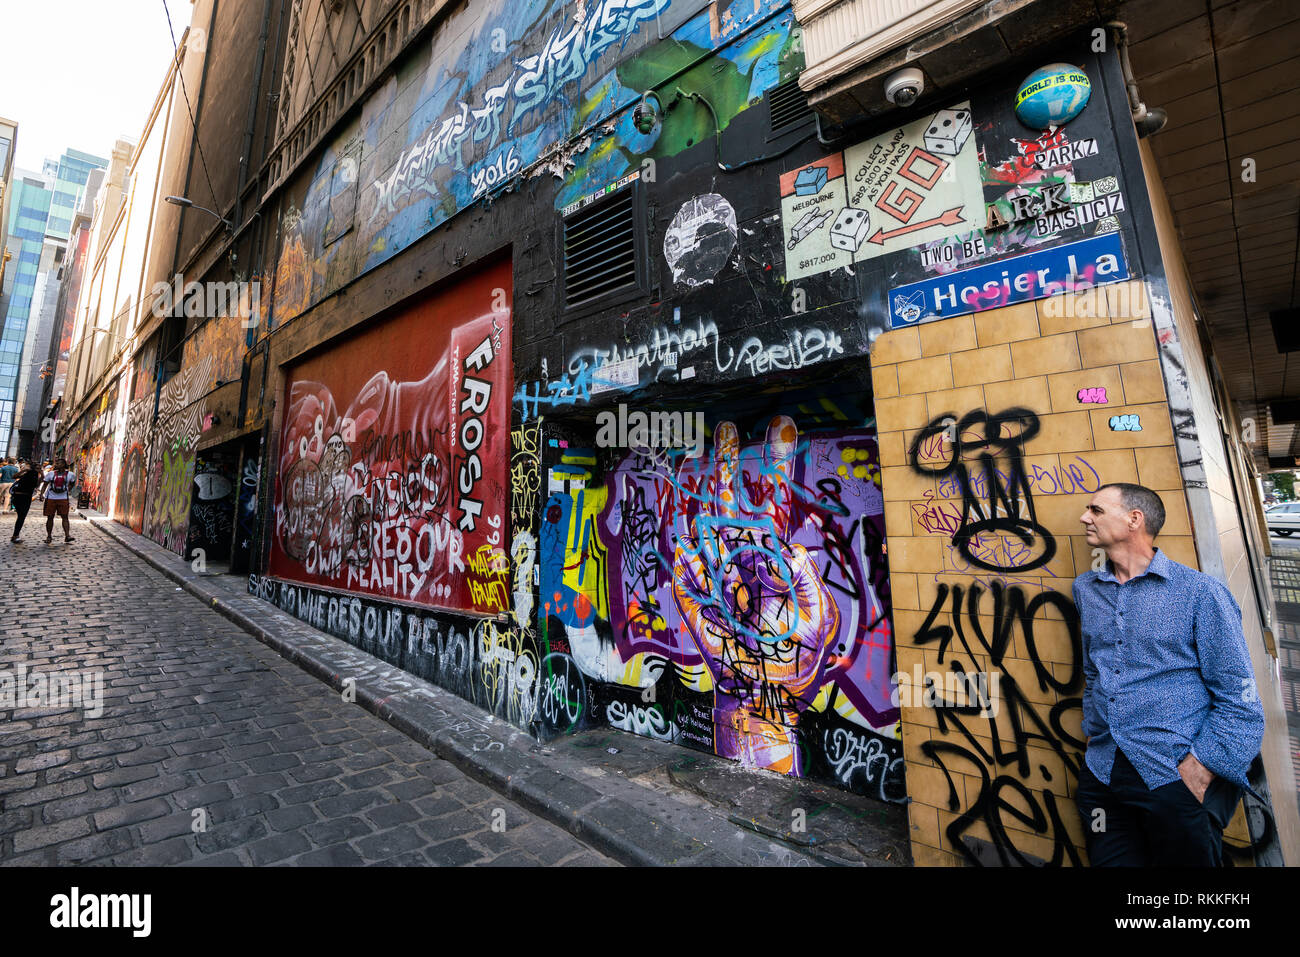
(600,250)
(787,106)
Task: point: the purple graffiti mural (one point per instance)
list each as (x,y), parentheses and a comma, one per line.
(753,574)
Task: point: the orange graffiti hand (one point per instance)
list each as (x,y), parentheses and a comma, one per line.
(754,603)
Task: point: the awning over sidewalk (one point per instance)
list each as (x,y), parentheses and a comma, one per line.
(1228,74)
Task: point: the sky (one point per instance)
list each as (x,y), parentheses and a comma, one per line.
(82,73)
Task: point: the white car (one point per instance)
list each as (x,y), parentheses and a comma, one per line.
(1283,518)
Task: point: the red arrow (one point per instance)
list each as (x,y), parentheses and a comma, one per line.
(949,218)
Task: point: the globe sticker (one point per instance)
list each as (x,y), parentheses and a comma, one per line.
(1052,96)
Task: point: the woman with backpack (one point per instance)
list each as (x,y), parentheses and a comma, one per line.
(20,493)
(58,486)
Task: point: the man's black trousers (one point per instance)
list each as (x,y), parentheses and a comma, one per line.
(1127,825)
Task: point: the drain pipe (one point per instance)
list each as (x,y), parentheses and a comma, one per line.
(1146,120)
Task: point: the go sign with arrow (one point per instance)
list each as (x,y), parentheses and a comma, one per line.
(913,185)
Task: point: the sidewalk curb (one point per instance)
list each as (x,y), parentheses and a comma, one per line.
(479,744)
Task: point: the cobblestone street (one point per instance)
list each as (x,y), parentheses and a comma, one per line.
(202,724)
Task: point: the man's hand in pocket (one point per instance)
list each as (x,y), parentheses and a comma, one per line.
(1196,776)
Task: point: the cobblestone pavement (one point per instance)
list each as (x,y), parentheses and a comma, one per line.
(203,724)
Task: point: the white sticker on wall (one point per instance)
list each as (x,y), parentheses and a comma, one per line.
(615,375)
(700,239)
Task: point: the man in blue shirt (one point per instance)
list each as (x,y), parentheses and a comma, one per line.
(1170,713)
(8,472)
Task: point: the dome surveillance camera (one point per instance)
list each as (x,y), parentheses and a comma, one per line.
(904,86)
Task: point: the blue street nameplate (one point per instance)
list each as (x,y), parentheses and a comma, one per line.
(1024,278)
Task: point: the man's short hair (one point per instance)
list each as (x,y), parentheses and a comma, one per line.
(1147,502)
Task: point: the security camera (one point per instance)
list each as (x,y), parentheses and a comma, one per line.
(903,87)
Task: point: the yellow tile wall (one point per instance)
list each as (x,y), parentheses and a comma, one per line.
(924,375)
(1035,356)
(957,336)
(977,366)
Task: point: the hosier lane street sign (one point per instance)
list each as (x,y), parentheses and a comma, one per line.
(1036,275)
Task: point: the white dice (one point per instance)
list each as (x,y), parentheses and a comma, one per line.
(948,132)
(850,228)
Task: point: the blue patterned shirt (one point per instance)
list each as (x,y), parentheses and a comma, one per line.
(1167,672)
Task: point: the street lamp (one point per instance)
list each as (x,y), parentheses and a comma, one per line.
(97,330)
(189,203)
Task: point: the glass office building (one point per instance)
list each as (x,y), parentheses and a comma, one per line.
(68,174)
(41,207)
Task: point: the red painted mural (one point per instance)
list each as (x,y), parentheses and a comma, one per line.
(391,477)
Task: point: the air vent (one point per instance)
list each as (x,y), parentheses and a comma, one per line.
(787,107)
(600,250)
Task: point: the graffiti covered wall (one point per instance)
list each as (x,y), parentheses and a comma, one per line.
(994,436)
(390,508)
(171,449)
(137,398)
(736,602)
(506,90)
(156,479)
(486,662)
(391,474)
(88,446)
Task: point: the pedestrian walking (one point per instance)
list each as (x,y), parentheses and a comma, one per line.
(20,494)
(8,472)
(1171,717)
(58,486)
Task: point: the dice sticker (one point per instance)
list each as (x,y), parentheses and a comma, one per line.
(850,228)
(948,132)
